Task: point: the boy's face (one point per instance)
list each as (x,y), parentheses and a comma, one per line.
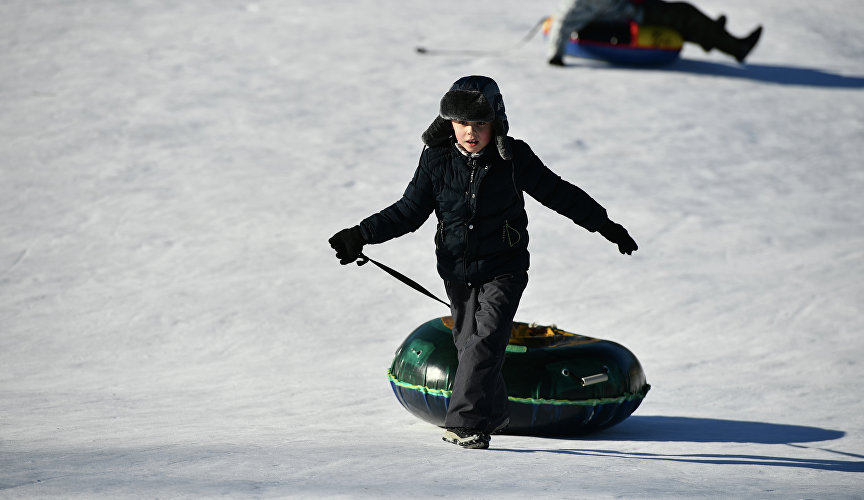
(473,136)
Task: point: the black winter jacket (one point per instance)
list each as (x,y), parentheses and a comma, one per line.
(482,225)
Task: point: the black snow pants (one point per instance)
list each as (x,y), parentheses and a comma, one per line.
(694,26)
(483,320)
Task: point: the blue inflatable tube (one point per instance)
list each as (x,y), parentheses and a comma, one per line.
(625,43)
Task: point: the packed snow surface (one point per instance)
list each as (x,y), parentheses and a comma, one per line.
(173,323)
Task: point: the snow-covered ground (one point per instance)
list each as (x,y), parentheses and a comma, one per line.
(174,324)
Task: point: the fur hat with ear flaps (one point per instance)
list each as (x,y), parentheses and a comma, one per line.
(471,99)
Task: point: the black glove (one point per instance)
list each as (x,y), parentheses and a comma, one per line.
(617,234)
(348,244)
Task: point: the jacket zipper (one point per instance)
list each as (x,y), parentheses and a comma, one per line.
(471,179)
(469,194)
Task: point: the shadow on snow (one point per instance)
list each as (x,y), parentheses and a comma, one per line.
(707,430)
(766,73)
(716,459)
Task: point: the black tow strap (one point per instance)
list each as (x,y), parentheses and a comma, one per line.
(401,277)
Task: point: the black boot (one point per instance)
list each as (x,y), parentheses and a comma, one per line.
(556,61)
(738,48)
(747,44)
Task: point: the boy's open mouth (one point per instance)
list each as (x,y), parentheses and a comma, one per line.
(473,142)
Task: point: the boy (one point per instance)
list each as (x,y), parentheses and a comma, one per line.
(472,175)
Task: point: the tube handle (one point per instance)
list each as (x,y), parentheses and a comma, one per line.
(590,379)
(594,379)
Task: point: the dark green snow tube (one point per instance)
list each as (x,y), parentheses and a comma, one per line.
(559,383)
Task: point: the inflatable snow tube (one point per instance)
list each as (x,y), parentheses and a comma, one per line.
(625,43)
(558,383)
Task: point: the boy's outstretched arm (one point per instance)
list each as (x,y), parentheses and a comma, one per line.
(616,233)
(404,216)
